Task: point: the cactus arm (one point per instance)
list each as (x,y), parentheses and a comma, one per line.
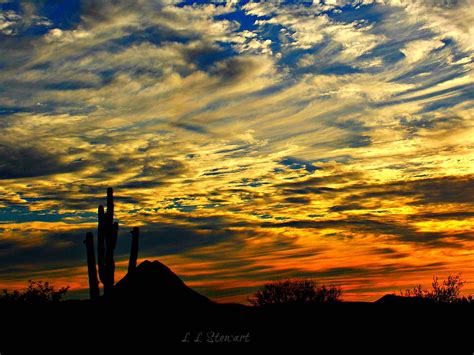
(91,268)
(101,231)
(111,233)
(132,264)
(110,205)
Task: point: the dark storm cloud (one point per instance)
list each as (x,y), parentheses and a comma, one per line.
(316,185)
(167,168)
(322,180)
(52,251)
(235,69)
(351,125)
(363,196)
(430,122)
(224,171)
(204,54)
(140,184)
(457,215)
(25,161)
(390,253)
(191,127)
(359,141)
(349,207)
(448,189)
(167,239)
(296,164)
(55,249)
(298,200)
(357,138)
(308,191)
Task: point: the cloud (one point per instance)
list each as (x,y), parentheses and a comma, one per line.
(348,207)
(21,162)
(423,191)
(418,50)
(451,18)
(430,122)
(249,141)
(397,231)
(8,20)
(13,23)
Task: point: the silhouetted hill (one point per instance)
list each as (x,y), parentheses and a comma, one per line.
(154,307)
(393,300)
(153,283)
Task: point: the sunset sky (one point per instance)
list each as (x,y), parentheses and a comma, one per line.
(250,141)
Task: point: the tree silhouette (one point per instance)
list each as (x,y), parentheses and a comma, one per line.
(448,291)
(296,291)
(36,293)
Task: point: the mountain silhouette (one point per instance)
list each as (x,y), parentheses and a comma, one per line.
(393,300)
(154,283)
(154,295)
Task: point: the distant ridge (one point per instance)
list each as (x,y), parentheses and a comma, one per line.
(154,283)
(401,300)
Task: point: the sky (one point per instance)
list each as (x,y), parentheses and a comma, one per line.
(249,141)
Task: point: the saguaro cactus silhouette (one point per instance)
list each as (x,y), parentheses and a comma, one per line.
(107,232)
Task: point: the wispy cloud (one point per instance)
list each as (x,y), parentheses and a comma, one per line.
(250,140)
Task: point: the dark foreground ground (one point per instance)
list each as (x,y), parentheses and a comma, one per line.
(346,328)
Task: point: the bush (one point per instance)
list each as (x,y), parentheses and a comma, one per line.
(295,292)
(446,292)
(37,292)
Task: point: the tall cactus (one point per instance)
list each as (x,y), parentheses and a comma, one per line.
(91,269)
(107,232)
(132,264)
(107,240)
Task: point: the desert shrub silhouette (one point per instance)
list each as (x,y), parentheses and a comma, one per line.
(37,292)
(295,291)
(448,291)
